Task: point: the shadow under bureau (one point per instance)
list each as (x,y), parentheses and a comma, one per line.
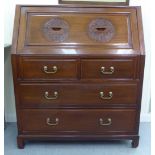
(78,72)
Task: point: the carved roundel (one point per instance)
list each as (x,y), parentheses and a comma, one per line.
(101,30)
(56,29)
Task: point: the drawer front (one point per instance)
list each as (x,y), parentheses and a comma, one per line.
(48,69)
(78,26)
(108,68)
(55,95)
(90,121)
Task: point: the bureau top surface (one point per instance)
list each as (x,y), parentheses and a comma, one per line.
(77,30)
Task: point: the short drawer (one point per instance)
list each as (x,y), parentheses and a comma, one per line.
(108,68)
(48,69)
(90,121)
(55,95)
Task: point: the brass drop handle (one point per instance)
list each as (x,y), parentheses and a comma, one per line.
(107,72)
(106,97)
(54,97)
(48,122)
(109,122)
(54,70)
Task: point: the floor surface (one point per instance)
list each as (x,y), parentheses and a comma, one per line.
(87,148)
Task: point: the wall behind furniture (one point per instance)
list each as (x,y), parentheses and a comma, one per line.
(10,115)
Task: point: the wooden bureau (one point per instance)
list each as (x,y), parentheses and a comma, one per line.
(78,72)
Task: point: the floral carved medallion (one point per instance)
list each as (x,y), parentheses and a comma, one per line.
(101,30)
(56,30)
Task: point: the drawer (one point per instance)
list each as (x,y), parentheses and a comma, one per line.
(90,121)
(108,68)
(56,95)
(48,69)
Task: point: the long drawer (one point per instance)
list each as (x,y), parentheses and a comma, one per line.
(90,121)
(67,94)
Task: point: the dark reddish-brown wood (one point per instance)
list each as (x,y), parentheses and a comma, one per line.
(33,95)
(65,89)
(123,68)
(33,68)
(135,142)
(73,121)
(21,142)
